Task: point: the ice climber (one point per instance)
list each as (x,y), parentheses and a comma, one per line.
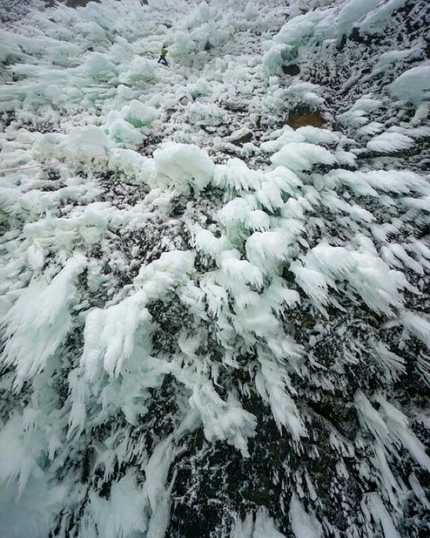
(162,57)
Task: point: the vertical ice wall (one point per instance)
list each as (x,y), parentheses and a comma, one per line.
(214,323)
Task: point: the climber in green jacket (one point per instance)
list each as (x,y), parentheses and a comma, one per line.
(162,59)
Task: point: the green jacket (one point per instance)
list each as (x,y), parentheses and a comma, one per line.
(163,52)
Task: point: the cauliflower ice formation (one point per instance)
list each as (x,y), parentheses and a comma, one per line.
(214,276)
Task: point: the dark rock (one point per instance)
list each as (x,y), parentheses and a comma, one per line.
(292,69)
(356,36)
(247,137)
(78,3)
(235,106)
(301,118)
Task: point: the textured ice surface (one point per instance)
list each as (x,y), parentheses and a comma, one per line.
(214,276)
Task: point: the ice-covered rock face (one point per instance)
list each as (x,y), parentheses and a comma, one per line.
(215,324)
